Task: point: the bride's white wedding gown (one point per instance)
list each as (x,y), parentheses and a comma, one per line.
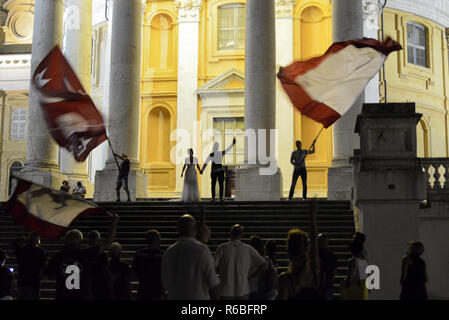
(190,192)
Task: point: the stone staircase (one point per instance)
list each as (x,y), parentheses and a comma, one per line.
(268,220)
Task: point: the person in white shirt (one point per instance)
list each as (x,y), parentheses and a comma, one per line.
(80,190)
(236,263)
(188,270)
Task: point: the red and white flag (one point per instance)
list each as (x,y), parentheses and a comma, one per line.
(44,211)
(72,118)
(324,88)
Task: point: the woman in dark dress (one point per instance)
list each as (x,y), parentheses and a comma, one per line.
(413,276)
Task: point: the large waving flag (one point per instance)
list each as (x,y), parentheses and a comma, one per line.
(45,211)
(324,88)
(73,120)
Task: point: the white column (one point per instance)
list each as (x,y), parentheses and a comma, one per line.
(124,101)
(41,164)
(107,76)
(255,181)
(77,48)
(284,110)
(371,15)
(347,24)
(187,110)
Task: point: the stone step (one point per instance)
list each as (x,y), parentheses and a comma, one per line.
(269,220)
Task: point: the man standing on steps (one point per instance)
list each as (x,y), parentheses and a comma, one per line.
(217,171)
(298,160)
(122,178)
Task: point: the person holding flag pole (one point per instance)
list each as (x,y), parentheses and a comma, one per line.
(298,159)
(324,88)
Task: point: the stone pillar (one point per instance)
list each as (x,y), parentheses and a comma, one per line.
(388,188)
(187,110)
(255,181)
(77,48)
(284,111)
(124,101)
(347,24)
(41,165)
(371,15)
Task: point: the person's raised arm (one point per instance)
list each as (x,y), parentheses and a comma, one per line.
(313,149)
(230,147)
(119,156)
(107,242)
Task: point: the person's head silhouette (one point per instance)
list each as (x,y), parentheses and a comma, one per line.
(93,237)
(237,232)
(73,238)
(216,146)
(190,152)
(298,144)
(186,226)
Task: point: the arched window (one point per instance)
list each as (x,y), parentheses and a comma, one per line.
(159,135)
(162,55)
(231,26)
(15,167)
(417,44)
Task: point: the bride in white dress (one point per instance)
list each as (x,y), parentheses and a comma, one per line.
(190,192)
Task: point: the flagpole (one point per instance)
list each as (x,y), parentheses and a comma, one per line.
(322,128)
(113,153)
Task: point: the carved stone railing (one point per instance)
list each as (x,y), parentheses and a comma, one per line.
(437,177)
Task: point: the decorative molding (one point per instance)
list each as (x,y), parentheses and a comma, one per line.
(435,10)
(217,85)
(15,61)
(372,10)
(285,8)
(188,10)
(19,23)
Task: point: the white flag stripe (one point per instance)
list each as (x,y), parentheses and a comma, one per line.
(352,68)
(45,208)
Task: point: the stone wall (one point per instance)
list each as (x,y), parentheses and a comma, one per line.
(433,233)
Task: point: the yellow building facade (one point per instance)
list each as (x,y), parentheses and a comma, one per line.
(221,68)
(220,87)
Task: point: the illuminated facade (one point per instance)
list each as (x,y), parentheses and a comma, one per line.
(193,73)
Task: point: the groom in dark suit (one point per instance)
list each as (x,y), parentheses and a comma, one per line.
(217,168)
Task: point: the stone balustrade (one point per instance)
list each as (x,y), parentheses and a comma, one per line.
(437,177)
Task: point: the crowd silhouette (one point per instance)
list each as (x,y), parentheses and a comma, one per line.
(188,270)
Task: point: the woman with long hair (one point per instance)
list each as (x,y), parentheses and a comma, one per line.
(300,282)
